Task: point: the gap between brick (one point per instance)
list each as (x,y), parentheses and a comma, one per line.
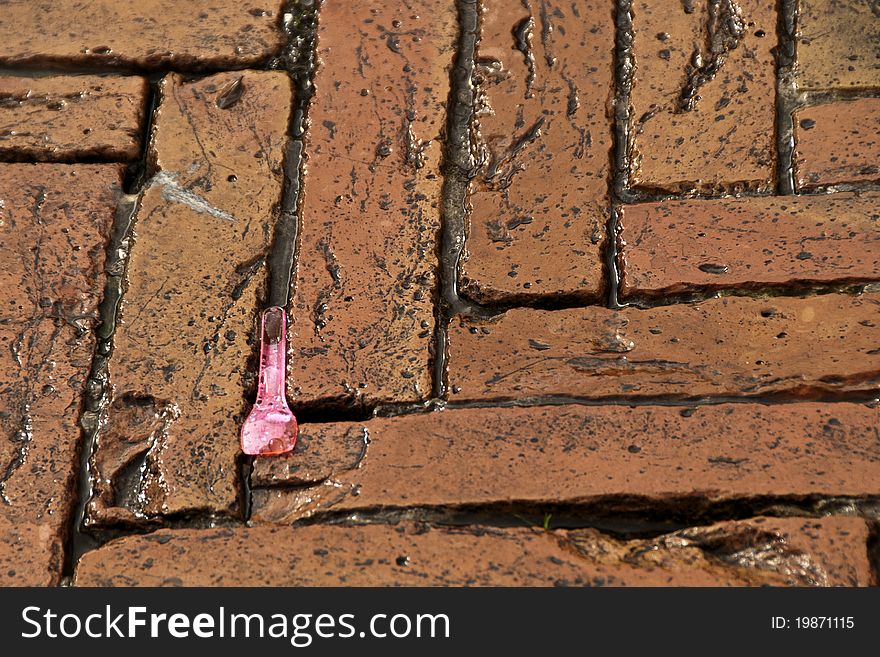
(620,515)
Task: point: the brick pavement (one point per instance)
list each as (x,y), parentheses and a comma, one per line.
(584,292)
(702,95)
(542,107)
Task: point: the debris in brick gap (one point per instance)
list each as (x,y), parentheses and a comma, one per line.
(231,93)
(270,427)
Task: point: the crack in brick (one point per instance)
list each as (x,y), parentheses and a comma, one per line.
(515,148)
(724,29)
(247,271)
(522,41)
(23,437)
(124,474)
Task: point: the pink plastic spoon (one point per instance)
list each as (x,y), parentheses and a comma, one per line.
(270,427)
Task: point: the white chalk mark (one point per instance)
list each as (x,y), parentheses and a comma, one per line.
(172,191)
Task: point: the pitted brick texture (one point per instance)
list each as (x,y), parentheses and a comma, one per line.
(837,142)
(181,364)
(54,225)
(148,34)
(703,95)
(539,202)
(652,456)
(704,380)
(362,310)
(761,551)
(838,44)
(679,246)
(728,346)
(65,118)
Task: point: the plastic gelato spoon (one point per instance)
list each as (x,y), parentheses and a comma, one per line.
(270,427)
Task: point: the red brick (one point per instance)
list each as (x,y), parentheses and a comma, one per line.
(30,554)
(539,203)
(180,367)
(726,346)
(838,45)
(153,34)
(365,282)
(726,139)
(675,246)
(54,225)
(63,118)
(837,143)
(762,551)
(321,451)
(658,455)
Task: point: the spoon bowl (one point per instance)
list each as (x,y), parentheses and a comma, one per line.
(271,428)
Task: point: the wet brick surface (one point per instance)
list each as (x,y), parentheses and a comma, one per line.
(65,118)
(837,143)
(838,44)
(582,293)
(677,246)
(180,366)
(702,95)
(363,302)
(662,456)
(728,346)
(539,202)
(54,222)
(30,553)
(763,551)
(148,34)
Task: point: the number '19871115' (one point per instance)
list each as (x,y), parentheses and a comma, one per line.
(814,622)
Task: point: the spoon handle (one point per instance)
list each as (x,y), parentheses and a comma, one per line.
(270,427)
(273,357)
